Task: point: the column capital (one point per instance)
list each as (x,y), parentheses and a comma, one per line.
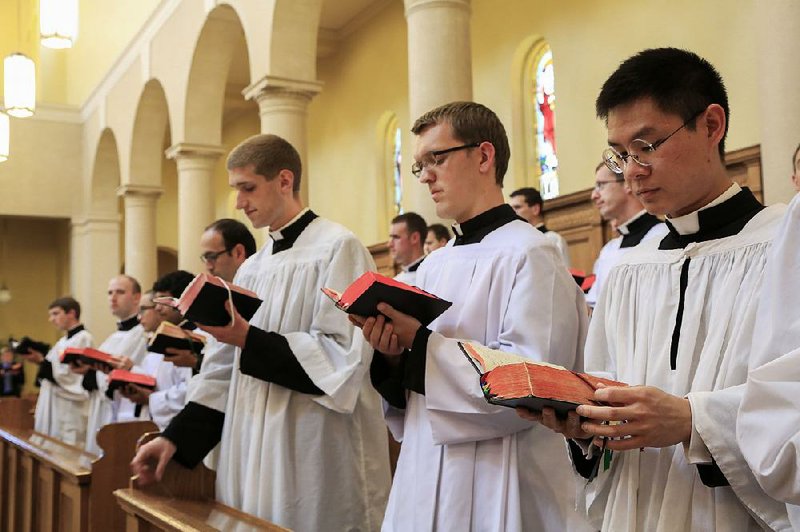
(193,150)
(271,85)
(146,191)
(412,6)
(95,219)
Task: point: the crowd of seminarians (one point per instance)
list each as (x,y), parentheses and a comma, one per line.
(695,314)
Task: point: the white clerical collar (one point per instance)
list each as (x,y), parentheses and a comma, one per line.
(277,235)
(407,267)
(624,228)
(690,223)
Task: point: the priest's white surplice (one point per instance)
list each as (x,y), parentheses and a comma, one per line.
(465,464)
(308,462)
(61,407)
(629,340)
(132,344)
(769,417)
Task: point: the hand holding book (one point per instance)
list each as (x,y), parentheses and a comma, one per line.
(391,332)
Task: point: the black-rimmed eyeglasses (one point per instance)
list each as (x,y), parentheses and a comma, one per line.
(212,256)
(434,158)
(639,150)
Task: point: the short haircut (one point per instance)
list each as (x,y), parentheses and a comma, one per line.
(794,157)
(173,282)
(268,154)
(67,303)
(439,231)
(234,232)
(471,123)
(678,81)
(599,166)
(414,222)
(531,195)
(135,286)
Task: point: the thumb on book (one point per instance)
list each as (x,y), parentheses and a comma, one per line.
(387,310)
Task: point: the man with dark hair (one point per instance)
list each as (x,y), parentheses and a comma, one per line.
(465,464)
(286,396)
(128,343)
(226,244)
(61,407)
(618,205)
(677,315)
(406,236)
(796,169)
(438,237)
(528,204)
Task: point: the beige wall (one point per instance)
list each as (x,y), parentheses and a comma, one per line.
(35,267)
(167,207)
(589,39)
(364,78)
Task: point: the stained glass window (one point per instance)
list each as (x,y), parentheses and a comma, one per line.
(545,111)
(398,177)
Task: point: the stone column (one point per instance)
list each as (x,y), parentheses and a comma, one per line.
(94,260)
(439,71)
(141,249)
(778,23)
(196,164)
(283,108)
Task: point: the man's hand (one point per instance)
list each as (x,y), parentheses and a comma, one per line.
(391,332)
(34,356)
(183,358)
(569,428)
(121,362)
(235,335)
(137,394)
(151,459)
(645,417)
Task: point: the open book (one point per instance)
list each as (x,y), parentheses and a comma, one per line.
(169,335)
(512,380)
(120,377)
(363,295)
(89,356)
(203,301)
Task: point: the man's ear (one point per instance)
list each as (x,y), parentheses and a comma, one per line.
(286,178)
(487,156)
(536,209)
(238,252)
(713,125)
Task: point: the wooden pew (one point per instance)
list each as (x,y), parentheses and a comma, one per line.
(16,412)
(182,501)
(48,485)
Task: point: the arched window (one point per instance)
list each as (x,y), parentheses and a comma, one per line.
(389,177)
(397,176)
(534,117)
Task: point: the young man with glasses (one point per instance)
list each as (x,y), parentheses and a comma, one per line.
(286,395)
(465,464)
(676,318)
(225,245)
(617,205)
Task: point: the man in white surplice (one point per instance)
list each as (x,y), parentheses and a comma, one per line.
(62,405)
(466,464)
(287,396)
(676,317)
(768,424)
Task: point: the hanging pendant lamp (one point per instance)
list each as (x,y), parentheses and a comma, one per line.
(58,23)
(20,85)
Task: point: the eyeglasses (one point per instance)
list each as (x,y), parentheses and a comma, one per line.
(599,185)
(639,150)
(142,308)
(434,158)
(212,256)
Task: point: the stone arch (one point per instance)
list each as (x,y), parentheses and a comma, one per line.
(147,141)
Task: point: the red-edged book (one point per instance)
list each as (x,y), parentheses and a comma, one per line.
(511,380)
(120,377)
(203,301)
(168,335)
(363,295)
(87,355)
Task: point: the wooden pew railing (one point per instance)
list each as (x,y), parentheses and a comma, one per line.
(182,501)
(48,485)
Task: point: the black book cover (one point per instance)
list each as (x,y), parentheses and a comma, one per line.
(24,346)
(423,307)
(208,308)
(162,341)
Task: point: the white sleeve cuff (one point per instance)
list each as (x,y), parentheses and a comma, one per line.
(696,451)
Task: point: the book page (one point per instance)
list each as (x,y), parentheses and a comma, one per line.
(488,359)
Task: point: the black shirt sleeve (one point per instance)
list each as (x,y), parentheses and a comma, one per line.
(585,467)
(46,372)
(388,380)
(267,356)
(415,358)
(194,431)
(89,381)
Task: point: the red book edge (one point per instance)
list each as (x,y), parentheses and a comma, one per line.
(89,352)
(128,377)
(193,289)
(362,284)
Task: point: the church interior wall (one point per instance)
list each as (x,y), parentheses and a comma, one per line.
(167,207)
